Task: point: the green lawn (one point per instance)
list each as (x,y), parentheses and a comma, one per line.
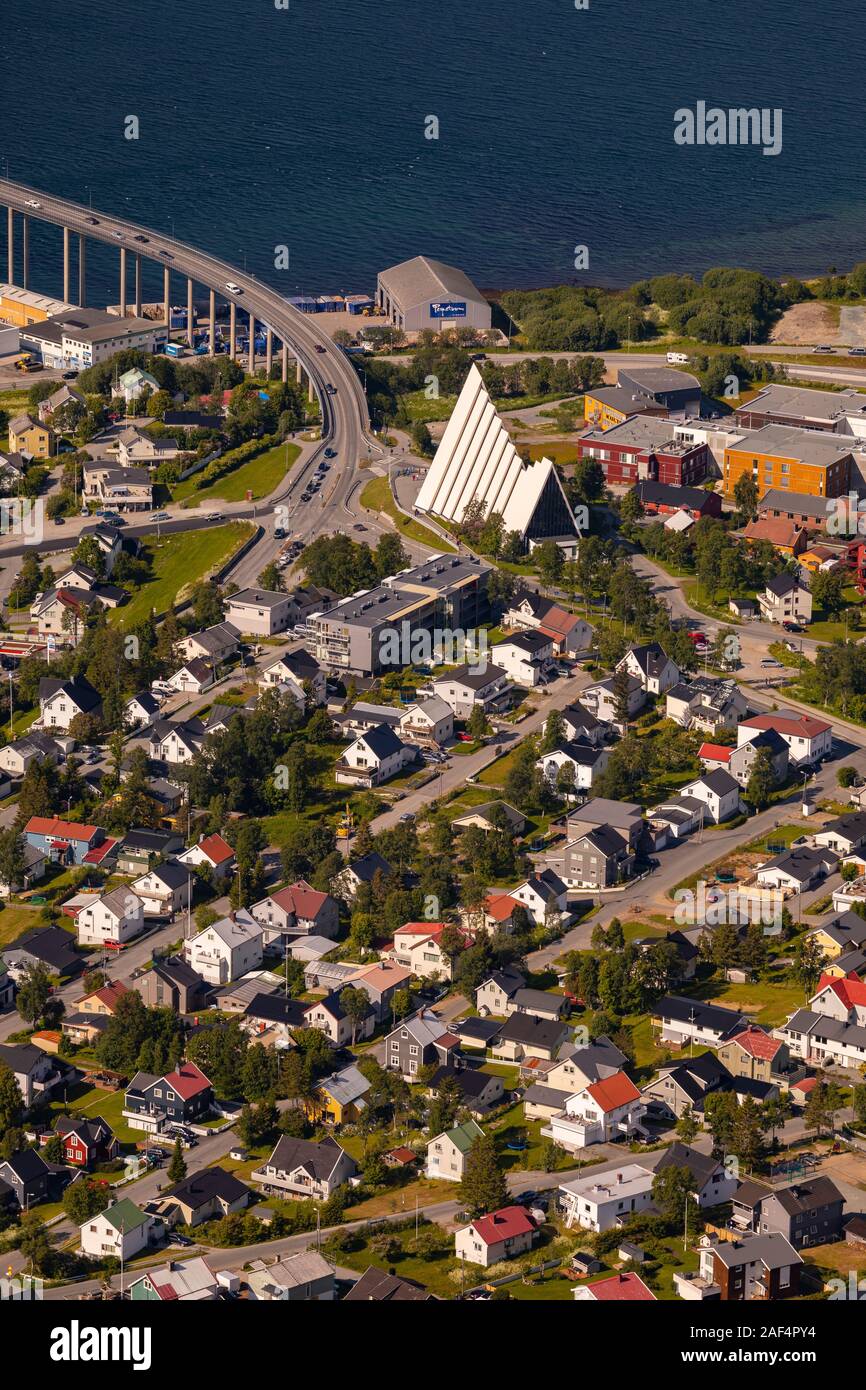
(260,476)
(14,921)
(179,561)
(92,1100)
(377,496)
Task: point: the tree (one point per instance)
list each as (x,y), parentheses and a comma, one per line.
(356,1006)
(746,494)
(550,560)
(747,1137)
(621,688)
(687,1126)
(478,724)
(34,991)
(807,964)
(84,1199)
(12,859)
(11,1100)
(762,780)
(483,1188)
(672,1193)
(828,591)
(858,1100)
(34,1244)
(846,776)
(271,579)
(177,1166)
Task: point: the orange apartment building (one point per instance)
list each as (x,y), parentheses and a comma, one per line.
(794,460)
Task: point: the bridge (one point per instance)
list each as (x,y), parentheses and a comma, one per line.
(345,418)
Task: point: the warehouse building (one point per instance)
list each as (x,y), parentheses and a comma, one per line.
(422,293)
(476,461)
(82,337)
(835,412)
(20,307)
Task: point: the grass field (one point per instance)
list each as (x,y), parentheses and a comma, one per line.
(179,561)
(14,921)
(377,496)
(92,1100)
(260,476)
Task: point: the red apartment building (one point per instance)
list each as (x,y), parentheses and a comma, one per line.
(645,449)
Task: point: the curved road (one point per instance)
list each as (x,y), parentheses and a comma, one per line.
(345,419)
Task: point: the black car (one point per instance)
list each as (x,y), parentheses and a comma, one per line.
(167,254)
(330,453)
(139,237)
(94,221)
(69,376)
(792,627)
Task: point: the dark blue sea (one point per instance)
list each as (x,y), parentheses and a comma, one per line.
(305,126)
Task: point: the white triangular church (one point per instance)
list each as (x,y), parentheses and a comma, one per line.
(477,459)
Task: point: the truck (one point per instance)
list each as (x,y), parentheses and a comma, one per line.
(28,363)
(173,350)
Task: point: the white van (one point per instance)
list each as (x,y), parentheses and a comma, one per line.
(677,358)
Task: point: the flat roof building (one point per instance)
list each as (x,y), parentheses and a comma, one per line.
(20,307)
(837,412)
(82,337)
(423,293)
(779,456)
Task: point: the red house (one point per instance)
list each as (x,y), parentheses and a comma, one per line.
(645,449)
(85,1142)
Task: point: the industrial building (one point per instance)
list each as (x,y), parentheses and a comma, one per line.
(643,391)
(422,293)
(476,461)
(82,337)
(389,625)
(21,307)
(835,412)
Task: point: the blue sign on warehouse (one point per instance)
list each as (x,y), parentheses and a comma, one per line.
(448,309)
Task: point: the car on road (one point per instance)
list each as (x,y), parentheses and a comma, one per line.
(59,520)
(32,203)
(330,388)
(232,287)
(160,516)
(139,237)
(823,347)
(792,627)
(408,816)
(214,516)
(358,527)
(305,496)
(319,348)
(771,661)
(330,453)
(69,376)
(857,352)
(94,221)
(167,254)
(118,235)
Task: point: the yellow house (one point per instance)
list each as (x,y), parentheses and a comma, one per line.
(794,460)
(339,1098)
(29,436)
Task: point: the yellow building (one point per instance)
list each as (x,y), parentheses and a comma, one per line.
(20,307)
(29,436)
(339,1098)
(778,456)
(601,410)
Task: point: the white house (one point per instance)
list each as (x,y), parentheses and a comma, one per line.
(786,600)
(525,658)
(599,1203)
(373,758)
(115,917)
(120,1232)
(718,791)
(608,1109)
(586,762)
(601,700)
(214,852)
(262,612)
(295,673)
(797,869)
(467,686)
(165,890)
(500,1236)
(140,710)
(213,644)
(448,1151)
(298,908)
(227,949)
(418,947)
(651,665)
(809,739)
(61,701)
(135,383)
(194,677)
(429,721)
(542,894)
(176,743)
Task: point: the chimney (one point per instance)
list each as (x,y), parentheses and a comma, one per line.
(619,1177)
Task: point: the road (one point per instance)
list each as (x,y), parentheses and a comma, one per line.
(345,418)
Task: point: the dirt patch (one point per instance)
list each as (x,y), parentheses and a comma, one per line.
(807,325)
(850,1167)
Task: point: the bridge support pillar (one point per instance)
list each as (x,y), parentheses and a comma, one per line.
(82,271)
(66,277)
(166,295)
(10,245)
(190,315)
(25,248)
(299,371)
(138,287)
(122,300)
(252,362)
(269,352)
(212,324)
(311,393)
(285,362)
(233,330)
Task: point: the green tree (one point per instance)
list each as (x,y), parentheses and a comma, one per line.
(483,1188)
(11,1100)
(34,991)
(746,494)
(672,1193)
(84,1199)
(356,1006)
(762,780)
(177,1165)
(687,1126)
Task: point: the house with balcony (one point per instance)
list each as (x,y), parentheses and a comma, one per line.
(373,758)
(762,1267)
(604,1202)
(605,1110)
(300,1168)
(785,600)
(227,949)
(113,919)
(36,1072)
(182,1096)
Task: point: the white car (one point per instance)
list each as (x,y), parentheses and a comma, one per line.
(162,688)
(32,203)
(232,287)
